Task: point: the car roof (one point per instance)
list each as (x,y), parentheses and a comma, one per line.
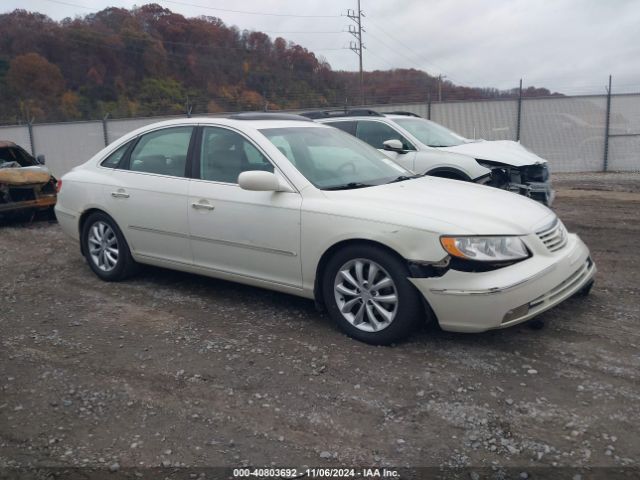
(253,120)
(6,144)
(381,116)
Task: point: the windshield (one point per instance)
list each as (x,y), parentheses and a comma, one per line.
(11,155)
(430,133)
(333,160)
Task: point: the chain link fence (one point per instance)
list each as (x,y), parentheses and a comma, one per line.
(570,132)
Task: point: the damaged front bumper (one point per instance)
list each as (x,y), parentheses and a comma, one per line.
(540,191)
(480,301)
(532,181)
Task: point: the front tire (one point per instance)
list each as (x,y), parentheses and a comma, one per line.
(106,249)
(368,295)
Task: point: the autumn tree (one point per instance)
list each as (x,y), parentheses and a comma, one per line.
(37,83)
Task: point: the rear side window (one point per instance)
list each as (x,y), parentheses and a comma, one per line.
(163,152)
(113,160)
(376,133)
(349,127)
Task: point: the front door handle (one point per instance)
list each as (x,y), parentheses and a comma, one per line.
(202,206)
(120,194)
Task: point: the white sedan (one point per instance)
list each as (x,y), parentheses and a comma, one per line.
(280,202)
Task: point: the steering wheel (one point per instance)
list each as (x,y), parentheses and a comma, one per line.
(346,165)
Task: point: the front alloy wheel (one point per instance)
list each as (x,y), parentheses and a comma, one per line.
(366,295)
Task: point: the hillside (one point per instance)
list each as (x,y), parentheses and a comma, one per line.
(152,61)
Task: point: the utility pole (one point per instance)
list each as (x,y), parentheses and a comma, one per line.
(357,46)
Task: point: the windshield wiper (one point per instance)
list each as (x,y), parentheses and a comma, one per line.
(402,178)
(348,186)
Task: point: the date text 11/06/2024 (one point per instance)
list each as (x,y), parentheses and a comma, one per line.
(315,472)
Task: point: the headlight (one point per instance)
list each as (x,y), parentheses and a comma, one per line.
(485,249)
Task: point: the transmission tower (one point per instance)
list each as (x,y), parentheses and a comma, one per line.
(357,46)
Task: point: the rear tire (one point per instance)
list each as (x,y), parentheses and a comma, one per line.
(106,249)
(368,295)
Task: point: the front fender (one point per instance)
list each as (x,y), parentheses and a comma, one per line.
(430,161)
(317,238)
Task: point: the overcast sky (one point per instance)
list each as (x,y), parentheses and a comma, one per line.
(565,45)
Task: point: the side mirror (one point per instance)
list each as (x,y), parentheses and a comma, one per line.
(260,181)
(40,159)
(394,145)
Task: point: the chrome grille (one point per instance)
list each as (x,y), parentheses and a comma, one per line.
(553,236)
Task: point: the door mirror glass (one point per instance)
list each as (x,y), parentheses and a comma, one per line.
(258,181)
(393,145)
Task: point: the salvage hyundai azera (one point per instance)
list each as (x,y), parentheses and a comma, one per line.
(278,201)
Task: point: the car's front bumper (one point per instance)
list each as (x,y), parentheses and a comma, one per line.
(539,191)
(475,302)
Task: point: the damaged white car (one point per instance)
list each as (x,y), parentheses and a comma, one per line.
(428,148)
(26,185)
(278,201)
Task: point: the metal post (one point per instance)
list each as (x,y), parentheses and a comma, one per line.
(519,112)
(189,107)
(429,106)
(606,128)
(440,77)
(105,132)
(31,139)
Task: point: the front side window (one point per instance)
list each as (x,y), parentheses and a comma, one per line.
(225,154)
(376,133)
(430,133)
(331,159)
(163,152)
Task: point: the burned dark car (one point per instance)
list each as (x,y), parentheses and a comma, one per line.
(26,185)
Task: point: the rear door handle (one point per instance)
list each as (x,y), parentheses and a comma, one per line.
(120,194)
(202,206)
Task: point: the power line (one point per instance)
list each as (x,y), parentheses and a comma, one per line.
(72,5)
(206,7)
(246,12)
(417,55)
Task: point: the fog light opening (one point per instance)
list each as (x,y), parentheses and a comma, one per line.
(515,313)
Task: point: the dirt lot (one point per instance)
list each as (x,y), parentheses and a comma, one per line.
(169,369)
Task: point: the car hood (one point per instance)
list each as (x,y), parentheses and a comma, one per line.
(503,151)
(444,206)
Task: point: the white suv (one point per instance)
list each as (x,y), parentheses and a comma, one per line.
(428,148)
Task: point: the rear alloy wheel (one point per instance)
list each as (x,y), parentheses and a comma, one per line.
(368,295)
(105,248)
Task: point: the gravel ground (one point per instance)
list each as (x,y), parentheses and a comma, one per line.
(175,370)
